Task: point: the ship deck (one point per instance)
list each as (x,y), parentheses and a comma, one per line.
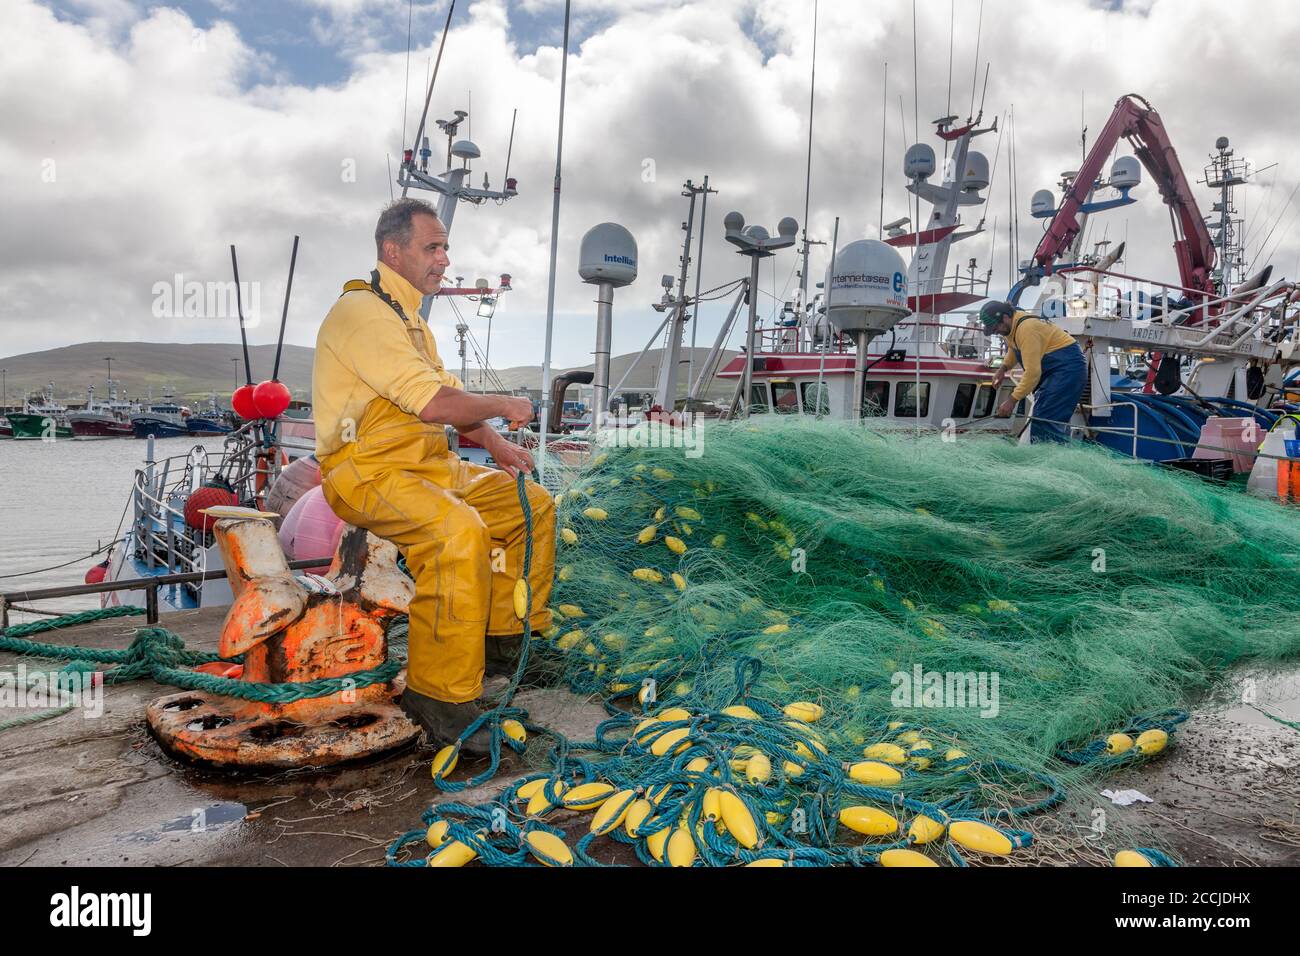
(81,791)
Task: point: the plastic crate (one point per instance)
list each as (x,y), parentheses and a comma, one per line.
(1212,469)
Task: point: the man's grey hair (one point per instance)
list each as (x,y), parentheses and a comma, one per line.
(395,221)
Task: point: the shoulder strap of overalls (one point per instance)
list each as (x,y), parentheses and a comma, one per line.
(361,285)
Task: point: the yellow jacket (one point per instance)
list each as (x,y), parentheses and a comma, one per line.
(365,354)
(1028,341)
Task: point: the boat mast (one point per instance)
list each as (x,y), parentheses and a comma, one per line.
(555,238)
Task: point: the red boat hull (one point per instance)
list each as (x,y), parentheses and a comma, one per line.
(101,429)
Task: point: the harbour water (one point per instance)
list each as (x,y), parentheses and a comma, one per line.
(62,499)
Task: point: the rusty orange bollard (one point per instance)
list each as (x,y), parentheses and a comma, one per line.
(292,629)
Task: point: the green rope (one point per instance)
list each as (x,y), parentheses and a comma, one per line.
(161,655)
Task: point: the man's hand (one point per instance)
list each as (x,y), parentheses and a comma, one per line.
(517,411)
(510,457)
(1007,407)
(998,376)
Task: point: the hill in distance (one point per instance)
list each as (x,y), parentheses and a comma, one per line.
(193,371)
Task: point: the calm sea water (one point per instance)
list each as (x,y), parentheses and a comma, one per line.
(62,499)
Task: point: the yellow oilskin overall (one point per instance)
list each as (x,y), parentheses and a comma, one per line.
(459,525)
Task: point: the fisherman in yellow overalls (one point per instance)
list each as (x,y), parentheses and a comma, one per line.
(381,399)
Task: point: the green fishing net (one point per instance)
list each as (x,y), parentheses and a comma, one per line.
(974,616)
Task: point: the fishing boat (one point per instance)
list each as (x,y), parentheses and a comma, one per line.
(210,421)
(44,418)
(110,419)
(165,419)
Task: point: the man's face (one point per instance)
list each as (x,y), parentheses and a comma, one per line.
(1003,327)
(423,259)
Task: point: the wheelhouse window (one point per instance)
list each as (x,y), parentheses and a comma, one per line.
(984,401)
(758,398)
(905,400)
(875,399)
(785,398)
(962,401)
(816,399)
(1003,394)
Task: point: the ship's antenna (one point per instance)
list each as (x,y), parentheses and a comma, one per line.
(884,113)
(555,237)
(699,273)
(284,315)
(916,248)
(979,27)
(424,115)
(510,147)
(807,185)
(1015,181)
(239,307)
(916,90)
(947,111)
(1083,135)
(406,86)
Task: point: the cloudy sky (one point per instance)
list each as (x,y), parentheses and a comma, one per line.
(141,140)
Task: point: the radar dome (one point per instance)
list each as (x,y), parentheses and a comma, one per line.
(867,291)
(1125,172)
(608,254)
(464,149)
(976,175)
(918,161)
(1043,204)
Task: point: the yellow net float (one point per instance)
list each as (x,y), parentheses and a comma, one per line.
(982,838)
(514,730)
(739,821)
(548,849)
(874,773)
(613,812)
(1118,744)
(923,829)
(869,821)
(886,753)
(587,796)
(1151,741)
(901,857)
(681,847)
(1131,858)
(444,761)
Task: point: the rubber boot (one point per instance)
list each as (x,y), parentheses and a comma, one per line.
(501,655)
(443,723)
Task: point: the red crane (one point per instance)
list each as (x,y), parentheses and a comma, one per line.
(1137,121)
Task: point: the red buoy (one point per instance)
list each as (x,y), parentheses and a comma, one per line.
(206,497)
(97,574)
(242,402)
(271,398)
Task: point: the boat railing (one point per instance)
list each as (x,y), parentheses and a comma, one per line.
(958,339)
(1230,318)
(150,585)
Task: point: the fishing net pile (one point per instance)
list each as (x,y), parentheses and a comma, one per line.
(823,644)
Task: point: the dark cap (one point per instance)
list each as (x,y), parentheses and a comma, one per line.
(991,313)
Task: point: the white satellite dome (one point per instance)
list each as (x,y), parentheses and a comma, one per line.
(1125,172)
(608,254)
(976,174)
(918,161)
(867,292)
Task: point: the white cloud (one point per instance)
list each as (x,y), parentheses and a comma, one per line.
(169,143)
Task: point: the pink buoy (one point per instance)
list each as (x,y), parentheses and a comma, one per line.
(295,480)
(311,529)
